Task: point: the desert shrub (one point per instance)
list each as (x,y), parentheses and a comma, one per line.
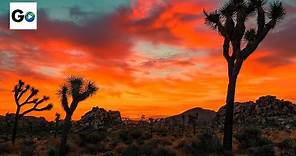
(120,148)
(163,152)
(123,135)
(28,147)
(161,141)
(162,131)
(288,144)
(265,150)
(6,148)
(251,137)
(90,149)
(288,147)
(109,153)
(136,133)
(132,150)
(92,138)
(208,142)
(129,136)
(51,151)
(148,147)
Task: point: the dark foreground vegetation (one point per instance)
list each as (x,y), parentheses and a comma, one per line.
(135,139)
(196,132)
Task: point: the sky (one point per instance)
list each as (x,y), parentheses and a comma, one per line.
(154,58)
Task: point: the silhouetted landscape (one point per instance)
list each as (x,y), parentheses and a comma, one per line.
(263,127)
(159,61)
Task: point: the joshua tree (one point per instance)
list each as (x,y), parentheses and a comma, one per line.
(79,89)
(57,120)
(19,91)
(230,21)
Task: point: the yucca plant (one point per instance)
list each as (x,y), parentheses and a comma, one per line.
(79,90)
(20,90)
(230,22)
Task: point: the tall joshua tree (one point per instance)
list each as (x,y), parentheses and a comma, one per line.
(79,89)
(19,91)
(230,21)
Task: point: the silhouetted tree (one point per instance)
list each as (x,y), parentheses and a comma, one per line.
(230,21)
(19,91)
(57,120)
(79,89)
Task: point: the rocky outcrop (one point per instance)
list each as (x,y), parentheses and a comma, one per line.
(266,112)
(26,124)
(98,118)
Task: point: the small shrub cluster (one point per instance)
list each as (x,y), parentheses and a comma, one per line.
(6,148)
(251,137)
(251,140)
(52,151)
(205,143)
(128,136)
(265,150)
(92,138)
(288,147)
(147,149)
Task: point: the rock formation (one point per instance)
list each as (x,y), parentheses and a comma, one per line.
(98,118)
(266,112)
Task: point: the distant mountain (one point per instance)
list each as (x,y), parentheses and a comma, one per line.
(266,112)
(200,115)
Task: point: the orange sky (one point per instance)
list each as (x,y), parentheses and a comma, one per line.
(155,58)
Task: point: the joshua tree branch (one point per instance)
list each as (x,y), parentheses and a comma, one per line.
(30,102)
(226,49)
(252,45)
(20,94)
(260,18)
(32,94)
(48,107)
(229,26)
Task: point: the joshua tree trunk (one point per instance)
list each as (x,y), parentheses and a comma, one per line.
(229,114)
(15,126)
(67,127)
(233,71)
